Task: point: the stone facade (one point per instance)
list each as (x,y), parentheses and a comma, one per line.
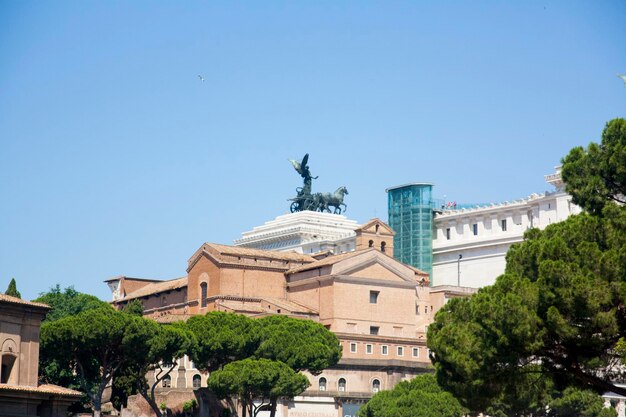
(378,307)
(20,393)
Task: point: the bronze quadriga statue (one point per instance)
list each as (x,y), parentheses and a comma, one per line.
(305,200)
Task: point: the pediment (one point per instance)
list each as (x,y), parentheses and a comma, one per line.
(371,227)
(373,264)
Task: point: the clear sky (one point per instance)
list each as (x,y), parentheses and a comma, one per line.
(116,159)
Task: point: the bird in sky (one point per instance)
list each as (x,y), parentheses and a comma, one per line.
(623,77)
(201,77)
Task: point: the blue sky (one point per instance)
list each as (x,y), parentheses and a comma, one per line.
(116,159)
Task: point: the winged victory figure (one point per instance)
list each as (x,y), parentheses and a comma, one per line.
(303,169)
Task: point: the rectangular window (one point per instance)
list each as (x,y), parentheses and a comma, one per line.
(374,297)
(400,351)
(475,229)
(503,223)
(368,349)
(417,310)
(384,350)
(416,352)
(352,347)
(374,330)
(448,233)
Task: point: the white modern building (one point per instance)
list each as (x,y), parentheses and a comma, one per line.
(470,245)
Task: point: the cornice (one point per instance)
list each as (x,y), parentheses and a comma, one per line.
(351,280)
(465,245)
(354,337)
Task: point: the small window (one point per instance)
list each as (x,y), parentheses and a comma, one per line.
(400,351)
(417,310)
(374,297)
(383,246)
(416,352)
(503,224)
(375,385)
(377,227)
(475,229)
(341,385)
(371,243)
(368,349)
(322,384)
(384,350)
(197,381)
(448,233)
(203,294)
(353,347)
(167,382)
(374,330)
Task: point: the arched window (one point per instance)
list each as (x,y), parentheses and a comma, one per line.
(383,245)
(8,377)
(167,382)
(371,243)
(377,226)
(197,381)
(322,384)
(341,385)
(375,385)
(203,294)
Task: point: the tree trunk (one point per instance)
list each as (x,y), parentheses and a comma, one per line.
(96,401)
(152,403)
(273,404)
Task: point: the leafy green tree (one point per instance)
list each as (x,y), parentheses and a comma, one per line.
(95,345)
(301,344)
(134,307)
(420,397)
(551,321)
(12,289)
(166,344)
(263,380)
(68,302)
(221,338)
(597,175)
(579,403)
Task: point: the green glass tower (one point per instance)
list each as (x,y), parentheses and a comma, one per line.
(410,209)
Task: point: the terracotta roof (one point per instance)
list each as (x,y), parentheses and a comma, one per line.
(15,300)
(268,254)
(45,389)
(373,222)
(156,288)
(119,277)
(330,260)
(417,271)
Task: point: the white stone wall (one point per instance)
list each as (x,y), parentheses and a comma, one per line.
(483,253)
